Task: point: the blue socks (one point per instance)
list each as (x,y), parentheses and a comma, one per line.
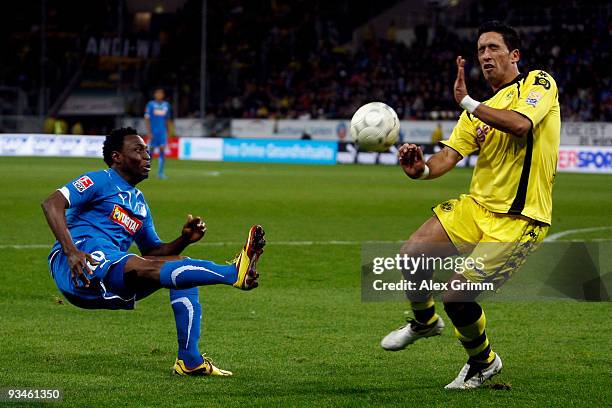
(183,277)
(187,314)
(188,273)
(162,159)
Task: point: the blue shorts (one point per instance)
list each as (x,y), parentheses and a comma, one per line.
(159,139)
(106,289)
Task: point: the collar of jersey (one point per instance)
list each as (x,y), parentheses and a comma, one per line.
(120,180)
(514,81)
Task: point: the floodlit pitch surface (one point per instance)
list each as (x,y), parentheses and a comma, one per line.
(303,337)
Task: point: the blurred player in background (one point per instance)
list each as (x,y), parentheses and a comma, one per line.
(98,216)
(517,133)
(158,120)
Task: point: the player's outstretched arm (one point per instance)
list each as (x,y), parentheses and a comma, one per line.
(505,120)
(413,163)
(193,231)
(54,208)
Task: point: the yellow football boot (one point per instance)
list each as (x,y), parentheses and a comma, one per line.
(247,259)
(206,368)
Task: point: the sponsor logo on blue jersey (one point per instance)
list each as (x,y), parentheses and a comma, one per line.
(123,218)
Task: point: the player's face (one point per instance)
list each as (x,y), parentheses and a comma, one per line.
(497,62)
(159,95)
(135,160)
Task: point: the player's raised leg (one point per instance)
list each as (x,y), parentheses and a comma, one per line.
(188,273)
(429,240)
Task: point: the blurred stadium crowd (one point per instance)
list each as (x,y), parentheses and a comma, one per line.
(305,59)
(417,80)
(306,71)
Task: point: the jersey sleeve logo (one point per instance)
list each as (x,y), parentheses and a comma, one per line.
(83,183)
(542,81)
(533,98)
(121,217)
(447,206)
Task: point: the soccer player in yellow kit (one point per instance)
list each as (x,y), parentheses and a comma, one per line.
(516,133)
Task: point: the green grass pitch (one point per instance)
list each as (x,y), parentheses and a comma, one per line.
(303,338)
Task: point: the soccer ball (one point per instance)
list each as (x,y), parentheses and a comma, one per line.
(375,127)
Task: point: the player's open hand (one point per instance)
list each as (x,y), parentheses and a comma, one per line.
(411,159)
(81,264)
(460,89)
(194,229)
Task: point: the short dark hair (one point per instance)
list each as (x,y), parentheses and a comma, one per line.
(114,143)
(510,35)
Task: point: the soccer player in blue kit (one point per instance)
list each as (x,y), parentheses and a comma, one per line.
(157,118)
(96,218)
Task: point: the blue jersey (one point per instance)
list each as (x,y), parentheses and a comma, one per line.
(105,208)
(158,113)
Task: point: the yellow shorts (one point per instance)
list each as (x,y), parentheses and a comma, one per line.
(500,241)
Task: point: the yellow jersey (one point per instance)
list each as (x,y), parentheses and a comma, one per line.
(514,174)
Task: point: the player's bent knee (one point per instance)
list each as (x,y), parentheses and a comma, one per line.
(138,268)
(429,240)
(451,298)
(414,248)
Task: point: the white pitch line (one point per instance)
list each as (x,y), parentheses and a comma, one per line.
(550,238)
(218,244)
(25,246)
(561,234)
